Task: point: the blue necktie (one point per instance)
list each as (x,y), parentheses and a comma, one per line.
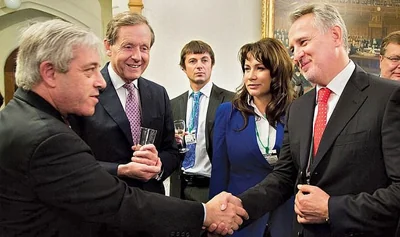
(188,162)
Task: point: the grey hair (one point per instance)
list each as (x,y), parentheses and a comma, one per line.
(53,41)
(326,16)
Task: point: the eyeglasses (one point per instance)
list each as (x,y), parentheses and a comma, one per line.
(394,59)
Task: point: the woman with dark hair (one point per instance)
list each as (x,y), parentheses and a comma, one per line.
(248,132)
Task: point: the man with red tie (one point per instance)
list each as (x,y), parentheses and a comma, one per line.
(340,153)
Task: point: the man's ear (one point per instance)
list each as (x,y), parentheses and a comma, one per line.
(337,35)
(47,72)
(107,46)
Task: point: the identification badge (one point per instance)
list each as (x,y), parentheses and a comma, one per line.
(190,138)
(271,157)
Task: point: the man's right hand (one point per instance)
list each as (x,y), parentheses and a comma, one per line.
(139,171)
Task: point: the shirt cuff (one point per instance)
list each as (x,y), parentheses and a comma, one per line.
(159,176)
(205,213)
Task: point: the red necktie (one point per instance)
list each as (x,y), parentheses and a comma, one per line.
(320,122)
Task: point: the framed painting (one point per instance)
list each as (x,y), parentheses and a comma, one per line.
(367,21)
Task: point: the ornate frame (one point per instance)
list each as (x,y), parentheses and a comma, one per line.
(267,18)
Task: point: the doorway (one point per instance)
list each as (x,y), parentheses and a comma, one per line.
(9,76)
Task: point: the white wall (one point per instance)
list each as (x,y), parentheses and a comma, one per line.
(224,24)
(120,6)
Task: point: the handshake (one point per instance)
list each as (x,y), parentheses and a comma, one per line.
(224,214)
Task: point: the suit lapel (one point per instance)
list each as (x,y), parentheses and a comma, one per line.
(111,103)
(216,98)
(349,103)
(251,140)
(146,103)
(305,126)
(182,106)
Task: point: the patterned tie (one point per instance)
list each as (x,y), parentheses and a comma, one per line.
(320,122)
(132,110)
(188,162)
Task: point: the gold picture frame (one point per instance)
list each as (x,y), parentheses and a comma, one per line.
(367,21)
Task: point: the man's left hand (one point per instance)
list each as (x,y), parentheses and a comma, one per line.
(147,155)
(311,205)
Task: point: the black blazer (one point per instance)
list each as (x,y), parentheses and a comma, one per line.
(179,107)
(108,132)
(357,162)
(51,185)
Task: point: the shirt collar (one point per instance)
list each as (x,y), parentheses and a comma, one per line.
(250,102)
(205,90)
(117,80)
(339,81)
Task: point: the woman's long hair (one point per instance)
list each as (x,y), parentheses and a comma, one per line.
(274,56)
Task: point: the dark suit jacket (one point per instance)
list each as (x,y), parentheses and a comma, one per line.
(179,107)
(51,185)
(108,132)
(357,162)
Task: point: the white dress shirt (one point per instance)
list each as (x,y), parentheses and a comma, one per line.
(336,86)
(118,85)
(202,165)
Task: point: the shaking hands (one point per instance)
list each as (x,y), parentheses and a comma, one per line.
(224,214)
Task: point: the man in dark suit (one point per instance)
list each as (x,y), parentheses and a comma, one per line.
(50,183)
(347,171)
(110,132)
(197,61)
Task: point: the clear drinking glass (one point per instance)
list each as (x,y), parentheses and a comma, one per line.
(147,136)
(180,128)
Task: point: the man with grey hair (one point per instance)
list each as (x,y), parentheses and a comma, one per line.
(50,183)
(340,151)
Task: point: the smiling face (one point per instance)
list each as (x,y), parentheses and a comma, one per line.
(315,53)
(130,54)
(257,78)
(198,68)
(77,90)
(390,62)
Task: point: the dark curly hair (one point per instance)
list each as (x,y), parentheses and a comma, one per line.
(274,56)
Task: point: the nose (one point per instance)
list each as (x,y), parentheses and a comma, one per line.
(251,75)
(136,55)
(297,55)
(199,65)
(100,83)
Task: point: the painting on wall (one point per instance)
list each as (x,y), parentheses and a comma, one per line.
(367,21)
